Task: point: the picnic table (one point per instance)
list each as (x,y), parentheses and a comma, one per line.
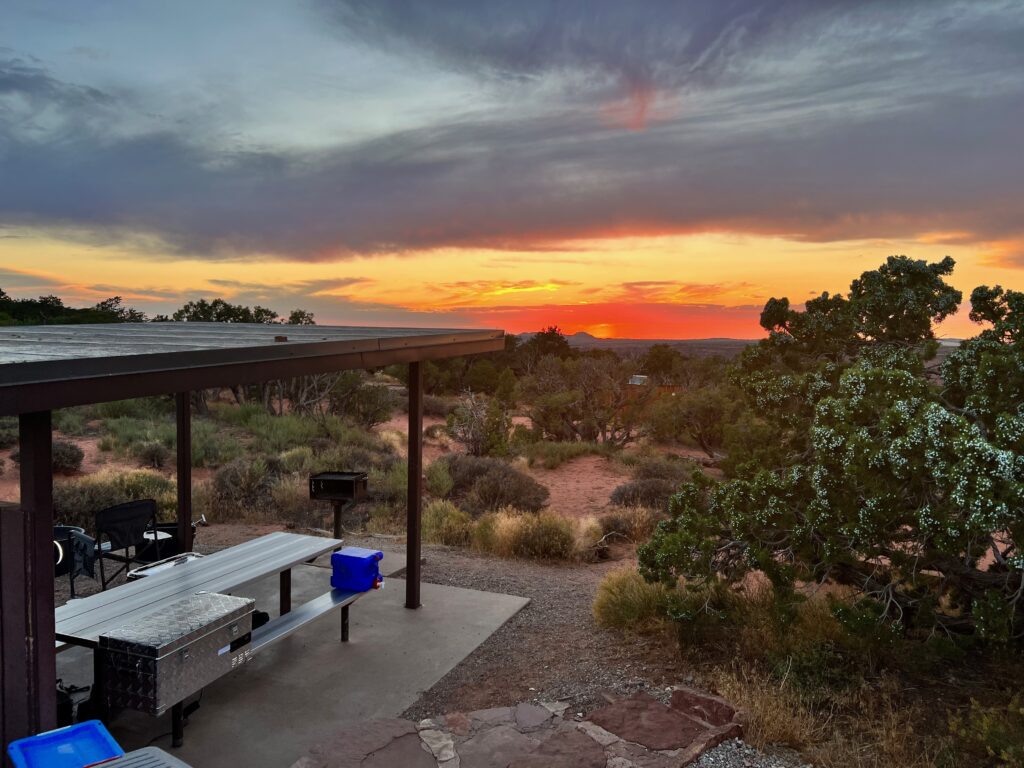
(81,622)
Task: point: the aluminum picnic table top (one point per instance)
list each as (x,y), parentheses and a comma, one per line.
(82,621)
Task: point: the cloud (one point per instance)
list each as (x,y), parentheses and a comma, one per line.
(814,121)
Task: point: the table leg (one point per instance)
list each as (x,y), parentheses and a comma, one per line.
(178,724)
(98,694)
(344,624)
(286,591)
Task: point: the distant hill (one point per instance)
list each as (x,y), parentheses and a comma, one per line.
(690,347)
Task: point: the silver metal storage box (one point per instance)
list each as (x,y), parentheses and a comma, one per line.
(156,661)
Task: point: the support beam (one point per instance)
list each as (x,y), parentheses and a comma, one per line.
(415,506)
(29,702)
(183,414)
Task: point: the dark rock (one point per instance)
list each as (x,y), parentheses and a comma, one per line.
(529,717)
(642,719)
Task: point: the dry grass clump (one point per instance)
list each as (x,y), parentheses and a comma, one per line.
(512,533)
(76,500)
(626,601)
(444,523)
(634,524)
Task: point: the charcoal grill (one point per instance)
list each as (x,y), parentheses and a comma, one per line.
(342,489)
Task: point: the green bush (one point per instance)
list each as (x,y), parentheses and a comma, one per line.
(151,408)
(66,457)
(552,455)
(278,433)
(444,523)
(298,460)
(71,421)
(995,734)
(625,601)
(506,487)
(8,431)
(437,407)
(366,404)
(345,434)
(152,453)
(210,446)
(77,500)
(439,479)
(389,485)
(653,492)
(485,484)
(242,487)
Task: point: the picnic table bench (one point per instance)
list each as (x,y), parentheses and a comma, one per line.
(81,622)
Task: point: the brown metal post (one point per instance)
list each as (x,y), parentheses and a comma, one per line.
(285,591)
(415,506)
(183,413)
(30,673)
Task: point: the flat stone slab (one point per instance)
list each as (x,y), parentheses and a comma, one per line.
(643,719)
(635,732)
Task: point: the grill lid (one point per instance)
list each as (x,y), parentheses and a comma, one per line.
(177,624)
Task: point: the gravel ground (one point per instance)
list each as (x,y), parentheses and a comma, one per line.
(552,650)
(736,754)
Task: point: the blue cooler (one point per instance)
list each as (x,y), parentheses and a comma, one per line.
(356,569)
(72,747)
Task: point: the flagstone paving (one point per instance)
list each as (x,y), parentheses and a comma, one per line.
(636,731)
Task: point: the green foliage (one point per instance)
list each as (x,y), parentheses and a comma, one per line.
(152,453)
(437,407)
(585,398)
(50,310)
(66,457)
(482,376)
(152,441)
(439,479)
(653,492)
(71,421)
(552,455)
(482,425)
(390,484)
(243,487)
(626,601)
(152,408)
(444,523)
(220,311)
(993,734)
(482,484)
(701,416)
(77,500)
(865,474)
(8,432)
(365,404)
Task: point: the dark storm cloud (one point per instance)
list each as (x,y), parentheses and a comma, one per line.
(911,126)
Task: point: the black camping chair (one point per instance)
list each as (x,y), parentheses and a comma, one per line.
(125,527)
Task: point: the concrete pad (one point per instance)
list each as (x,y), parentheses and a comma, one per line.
(295,693)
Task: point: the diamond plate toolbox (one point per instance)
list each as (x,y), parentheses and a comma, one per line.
(157,660)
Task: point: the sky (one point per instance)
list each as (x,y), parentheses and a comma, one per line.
(650,169)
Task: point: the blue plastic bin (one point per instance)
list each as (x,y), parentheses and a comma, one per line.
(75,746)
(355,569)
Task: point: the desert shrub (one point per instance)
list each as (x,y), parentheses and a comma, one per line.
(346,434)
(152,453)
(652,492)
(8,431)
(390,485)
(552,455)
(70,421)
(634,523)
(66,457)
(444,523)
(625,600)
(589,536)
(435,431)
(242,487)
(437,407)
(505,486)
(481,425)
(278,433)
(660,467)
(3,465)
(388,519)
(291,502)
(439,479)
(77,500)
(210,446)
(484,484)
(298,460)
(138,408)
(236,415)
(994,734)
(366,404)
(511,533)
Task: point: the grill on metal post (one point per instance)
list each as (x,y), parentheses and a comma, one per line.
(342,489)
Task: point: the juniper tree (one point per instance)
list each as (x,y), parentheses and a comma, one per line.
(878,478)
